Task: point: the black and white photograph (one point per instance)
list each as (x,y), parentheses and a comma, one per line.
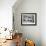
(28,18)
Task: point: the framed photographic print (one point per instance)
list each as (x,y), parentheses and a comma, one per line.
(28,18)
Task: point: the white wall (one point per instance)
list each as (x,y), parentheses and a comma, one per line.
(43,22)
(31,32)
(6,13)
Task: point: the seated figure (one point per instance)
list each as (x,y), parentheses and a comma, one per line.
(18,39)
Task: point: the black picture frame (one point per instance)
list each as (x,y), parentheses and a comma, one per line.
(29,19)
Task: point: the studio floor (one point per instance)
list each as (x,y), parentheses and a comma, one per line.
(9,43)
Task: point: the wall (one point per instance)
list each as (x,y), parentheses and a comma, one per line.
(43,22)
(6,13)
(29,32)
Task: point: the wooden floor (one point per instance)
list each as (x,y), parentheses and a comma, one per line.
(9,43)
